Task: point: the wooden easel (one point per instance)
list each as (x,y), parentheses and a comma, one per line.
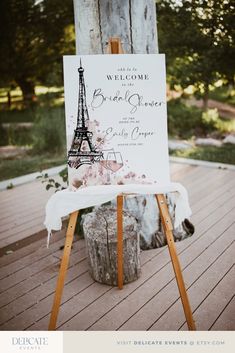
(115,47)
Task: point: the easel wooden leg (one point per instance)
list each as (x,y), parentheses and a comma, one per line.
(167,224)
(63,269)
(119,241)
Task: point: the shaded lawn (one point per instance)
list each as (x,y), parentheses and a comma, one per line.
(12,168)
(223,154)
(29,114)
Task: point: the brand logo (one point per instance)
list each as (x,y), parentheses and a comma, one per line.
(29,343)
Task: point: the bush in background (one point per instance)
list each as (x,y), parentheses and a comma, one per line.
(188,121)
(183,121)
(3,136)
(49,131)
(17,115)
(210,118)
(17,135)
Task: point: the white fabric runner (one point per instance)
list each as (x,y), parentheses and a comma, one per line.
(64,202)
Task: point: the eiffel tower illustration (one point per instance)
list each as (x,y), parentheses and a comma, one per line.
(82,150)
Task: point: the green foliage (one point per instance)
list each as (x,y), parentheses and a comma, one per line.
(64,175)
(16,135)
(17,115)
(223,154)
(223,94)
(210,118)
(187,121)
(34,35)
(184,121)
(219,126)
(198,39)
(50,99)
(28,164)
(52,183)
(3,136)
(49,131)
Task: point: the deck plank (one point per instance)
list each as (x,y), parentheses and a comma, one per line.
(151,269)
(225,322)
(34,254)
(173,318)
(22,212)
(67,295)
(28,249)
(49,273)
(28,275)
(156,304)
(210,308)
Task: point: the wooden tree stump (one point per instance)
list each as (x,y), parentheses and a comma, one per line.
(100,232)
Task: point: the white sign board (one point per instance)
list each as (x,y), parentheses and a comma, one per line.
(116,119)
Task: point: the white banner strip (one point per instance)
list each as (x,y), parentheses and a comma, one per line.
(117,342)
(155,341)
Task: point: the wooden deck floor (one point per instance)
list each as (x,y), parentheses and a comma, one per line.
(22,211)
(28,276)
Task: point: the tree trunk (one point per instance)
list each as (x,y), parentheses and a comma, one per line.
(100,232)
(28,90)
(134,22)
(205,97)
(9,99)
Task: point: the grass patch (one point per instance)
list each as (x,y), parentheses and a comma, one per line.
(49,131)
(17,116)
(46,133)
(16,135)
(223,154)
(30,115)
(28,164)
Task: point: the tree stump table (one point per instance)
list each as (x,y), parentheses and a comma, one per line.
(100,232)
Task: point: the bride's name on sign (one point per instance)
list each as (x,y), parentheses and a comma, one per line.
(116,119)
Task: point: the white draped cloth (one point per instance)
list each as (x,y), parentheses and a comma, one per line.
(64,202)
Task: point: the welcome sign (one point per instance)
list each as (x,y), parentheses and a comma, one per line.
(116,119)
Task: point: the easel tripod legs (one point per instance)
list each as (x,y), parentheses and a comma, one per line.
(63,270)
(120,241)
(166,221)
(167,225)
